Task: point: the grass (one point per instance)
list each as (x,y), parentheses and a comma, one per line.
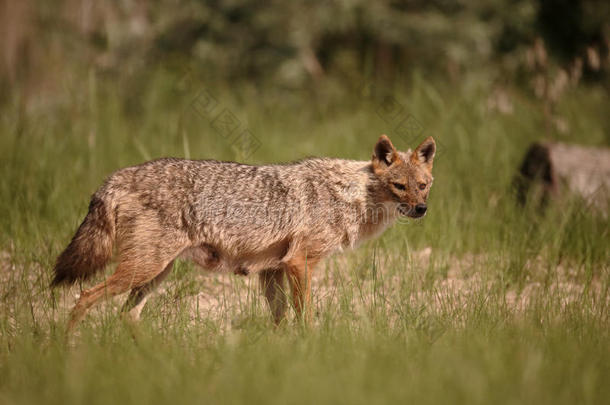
(481,302)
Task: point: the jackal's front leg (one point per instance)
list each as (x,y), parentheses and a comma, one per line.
(299,277)
(272,285)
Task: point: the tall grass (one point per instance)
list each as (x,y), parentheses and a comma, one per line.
(482,301)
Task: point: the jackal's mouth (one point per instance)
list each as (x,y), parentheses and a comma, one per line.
(404,210)
(415,215)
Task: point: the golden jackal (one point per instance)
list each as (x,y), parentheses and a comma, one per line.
(225,216)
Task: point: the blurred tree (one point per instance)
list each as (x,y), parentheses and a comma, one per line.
(297,42)
(577,28)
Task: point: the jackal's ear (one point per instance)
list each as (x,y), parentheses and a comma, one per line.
(384,153)
(424,153)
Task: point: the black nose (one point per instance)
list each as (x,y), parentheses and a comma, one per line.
(421,209)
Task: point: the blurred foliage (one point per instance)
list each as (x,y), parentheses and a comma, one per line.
(297,43)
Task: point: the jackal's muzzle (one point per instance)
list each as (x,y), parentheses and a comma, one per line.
(416,211)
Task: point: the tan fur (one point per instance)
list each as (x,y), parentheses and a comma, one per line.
(224,216)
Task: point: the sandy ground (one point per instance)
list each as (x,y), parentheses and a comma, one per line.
(339,284)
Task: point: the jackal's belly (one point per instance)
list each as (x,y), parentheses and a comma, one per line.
(204,255)
(214,258)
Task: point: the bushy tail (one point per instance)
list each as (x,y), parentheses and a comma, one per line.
(91,247)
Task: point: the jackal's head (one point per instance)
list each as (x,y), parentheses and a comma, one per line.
(405,176)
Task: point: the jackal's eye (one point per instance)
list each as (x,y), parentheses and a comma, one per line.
(399,186)
(422,186)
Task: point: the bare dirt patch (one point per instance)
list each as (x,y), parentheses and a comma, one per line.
(343,283)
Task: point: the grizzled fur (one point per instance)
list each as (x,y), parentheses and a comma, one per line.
(273,220)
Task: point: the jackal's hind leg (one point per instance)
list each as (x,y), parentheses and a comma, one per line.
(135,269)
(139,295)
(272,285)
(124,278)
